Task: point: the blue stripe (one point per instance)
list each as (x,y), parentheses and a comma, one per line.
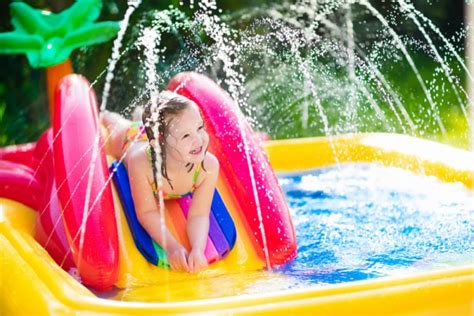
(142,240)
(226,224)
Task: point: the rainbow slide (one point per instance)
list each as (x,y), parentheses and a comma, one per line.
(43,235)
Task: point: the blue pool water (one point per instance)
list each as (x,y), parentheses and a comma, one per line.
(354,222)
(361,221)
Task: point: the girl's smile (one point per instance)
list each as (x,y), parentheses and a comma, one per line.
(196,151)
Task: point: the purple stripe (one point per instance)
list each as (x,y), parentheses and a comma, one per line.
(217,236)
(215,233)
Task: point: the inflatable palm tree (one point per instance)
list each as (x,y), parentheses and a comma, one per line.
(48,39)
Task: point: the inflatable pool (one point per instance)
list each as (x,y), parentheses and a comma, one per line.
(105,254)
(50,290)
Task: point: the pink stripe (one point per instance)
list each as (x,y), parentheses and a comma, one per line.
(185,202)
(210,252)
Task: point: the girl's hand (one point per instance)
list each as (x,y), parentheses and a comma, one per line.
(196,260)
(177,258)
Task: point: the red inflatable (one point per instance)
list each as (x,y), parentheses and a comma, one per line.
(229,137)
(84,195)
(21,154)
(17,182)
(49,230)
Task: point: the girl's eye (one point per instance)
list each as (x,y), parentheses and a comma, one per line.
(201,128)
(185,136)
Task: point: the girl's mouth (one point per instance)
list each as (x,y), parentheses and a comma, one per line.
(196,151)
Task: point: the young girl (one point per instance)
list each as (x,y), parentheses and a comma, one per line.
(186,168)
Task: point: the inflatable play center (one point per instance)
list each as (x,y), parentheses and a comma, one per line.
(72,244)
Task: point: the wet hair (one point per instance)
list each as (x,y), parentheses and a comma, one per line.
(168,104)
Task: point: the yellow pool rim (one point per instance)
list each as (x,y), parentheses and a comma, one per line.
(31,283)
(418,155)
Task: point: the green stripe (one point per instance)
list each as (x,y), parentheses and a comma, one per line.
(148,152)
(196,173)
(136,124)
(162,257)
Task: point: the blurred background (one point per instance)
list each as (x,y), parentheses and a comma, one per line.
(296,68)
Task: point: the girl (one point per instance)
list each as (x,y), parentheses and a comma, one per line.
(186,168)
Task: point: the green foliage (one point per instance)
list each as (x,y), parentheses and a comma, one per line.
(450,106)
(23,103)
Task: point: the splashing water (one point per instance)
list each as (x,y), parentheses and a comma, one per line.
(218,31)
(409,59)
(132,5)
(149,41)
(306,63)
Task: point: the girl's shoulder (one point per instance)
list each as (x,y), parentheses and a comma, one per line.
(137,151)
(210,163)
(209,169)
(137,157)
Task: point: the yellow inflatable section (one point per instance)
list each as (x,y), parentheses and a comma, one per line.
(31,283)
(136,271)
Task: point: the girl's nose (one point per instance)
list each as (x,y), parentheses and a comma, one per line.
(196,140)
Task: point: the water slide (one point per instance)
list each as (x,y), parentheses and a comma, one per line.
(38,248)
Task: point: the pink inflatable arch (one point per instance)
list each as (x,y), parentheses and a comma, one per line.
(228,137)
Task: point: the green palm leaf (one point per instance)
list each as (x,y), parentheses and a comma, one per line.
(48,39)
(28,20)
(91,35)
(80,13)
(14,43)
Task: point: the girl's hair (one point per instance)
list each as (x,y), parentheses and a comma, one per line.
(168,103)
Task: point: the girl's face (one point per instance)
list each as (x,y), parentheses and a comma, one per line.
(187,139)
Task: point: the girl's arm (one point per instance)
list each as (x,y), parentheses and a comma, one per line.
(198,218)
(116,126)
(148,213)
